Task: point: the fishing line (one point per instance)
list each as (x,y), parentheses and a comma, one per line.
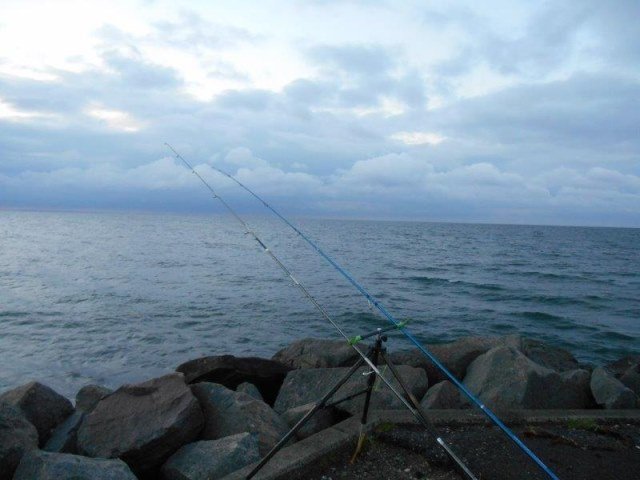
(377,304)
(326,315)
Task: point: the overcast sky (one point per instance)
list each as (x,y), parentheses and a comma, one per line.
(511,112)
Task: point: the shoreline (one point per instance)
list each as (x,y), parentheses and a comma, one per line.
(244,405)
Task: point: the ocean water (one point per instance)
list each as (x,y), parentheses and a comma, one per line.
(112,298)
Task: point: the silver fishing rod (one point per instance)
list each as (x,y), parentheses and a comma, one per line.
(382,309)
(413,409)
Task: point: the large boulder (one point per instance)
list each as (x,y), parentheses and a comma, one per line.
(251,390)
(323,418)
(620,366)
(609,392)
(549,356)
(317,353)
(310,385)
(64,437)
(143,423)
(227,412)
(41,405)
(37,465)
(504,378)
(17,436)
(458,355)
(211,459)
(89,396)
(631,378)
(230,371)
(455,356)
(443,395)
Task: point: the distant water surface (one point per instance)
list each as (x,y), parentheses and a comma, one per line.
(114,298)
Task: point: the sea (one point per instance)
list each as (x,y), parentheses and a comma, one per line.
(113,298)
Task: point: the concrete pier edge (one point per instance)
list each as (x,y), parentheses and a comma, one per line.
(299,456)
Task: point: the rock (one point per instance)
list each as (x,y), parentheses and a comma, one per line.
(549,356)
(212,459)
(576,390)
(619,367)
(323,418)
(317,353)
(455,356)
(251,390)
(504,378)
(230,371)
(42,406)
(143,424)
(609,392)
(227,412)
(89,396)
(310,385)
(64,437)
(443,395)
(17,436)
(631,378)
(37,465)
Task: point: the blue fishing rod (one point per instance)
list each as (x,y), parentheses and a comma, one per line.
(411,403)
(399,325)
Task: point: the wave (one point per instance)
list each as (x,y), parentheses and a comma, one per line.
(425,280)
(540,316)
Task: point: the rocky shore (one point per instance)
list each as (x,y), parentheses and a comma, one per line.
(217,414)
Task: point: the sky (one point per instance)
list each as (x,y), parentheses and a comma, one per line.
(496,111)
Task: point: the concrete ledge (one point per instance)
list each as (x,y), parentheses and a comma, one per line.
(297,457)
(511,417)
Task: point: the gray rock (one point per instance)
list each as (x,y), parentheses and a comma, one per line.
(211,459)
(37,465)
(443,395)
(89,396)
(576,389)
(549,356)
(609,392)
(504,378)
(631,378)
(323,418)
(620,366)
(455,356)
(310,385)
(143,424)
(317,353)
(230,371)
(227,412)
(42,406)
(251,390)
(17,436)
(64,437)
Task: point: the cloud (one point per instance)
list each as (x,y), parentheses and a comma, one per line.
(243,157)
(361,77)
(418,138)
(115,119)
(368,125)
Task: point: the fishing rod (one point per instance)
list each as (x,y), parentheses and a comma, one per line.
(352,342)
(382,309)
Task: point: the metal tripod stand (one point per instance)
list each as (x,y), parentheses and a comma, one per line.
(375,353)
